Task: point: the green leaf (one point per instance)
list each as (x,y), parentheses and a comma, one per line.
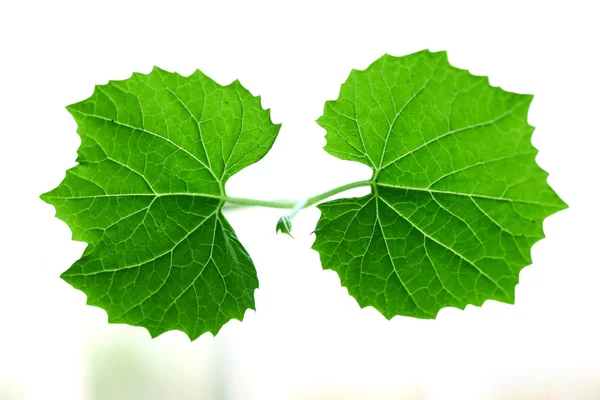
(457,198)
(284,225)
(156,151)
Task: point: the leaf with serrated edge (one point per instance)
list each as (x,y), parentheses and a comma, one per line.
(156,151)
(457,198)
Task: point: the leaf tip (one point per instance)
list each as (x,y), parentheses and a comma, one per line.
(157,70)
(66,276)
(72,108)
(45,197)
(562,205)
(320,120)
(199,73)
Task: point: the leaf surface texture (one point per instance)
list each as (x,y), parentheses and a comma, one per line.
(457,198)
(147,193)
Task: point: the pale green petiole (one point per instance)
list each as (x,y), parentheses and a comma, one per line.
(293,204)
(284,224)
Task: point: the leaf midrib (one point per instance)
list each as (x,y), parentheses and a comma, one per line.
(471,195)
(210,196)
(116,122)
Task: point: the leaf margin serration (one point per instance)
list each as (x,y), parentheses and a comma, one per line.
(267,146)
(317,245)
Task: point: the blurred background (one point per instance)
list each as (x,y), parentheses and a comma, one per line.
(308,338)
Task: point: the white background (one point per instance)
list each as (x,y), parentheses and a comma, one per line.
(308,338)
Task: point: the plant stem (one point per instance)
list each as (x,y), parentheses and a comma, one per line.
(320,197)
(293,204)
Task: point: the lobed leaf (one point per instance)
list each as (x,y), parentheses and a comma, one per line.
(457,198)
(156,151)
